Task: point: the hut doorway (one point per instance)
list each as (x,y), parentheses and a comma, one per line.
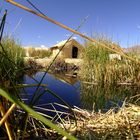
(74,52)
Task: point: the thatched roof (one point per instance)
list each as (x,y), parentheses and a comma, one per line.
(64,42)
(61,43)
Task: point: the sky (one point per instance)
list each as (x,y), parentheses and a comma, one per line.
(118,20)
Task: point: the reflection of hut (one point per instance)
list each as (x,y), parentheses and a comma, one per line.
(72,49)
(65,79)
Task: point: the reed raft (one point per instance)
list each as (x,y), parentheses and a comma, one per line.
(114,124)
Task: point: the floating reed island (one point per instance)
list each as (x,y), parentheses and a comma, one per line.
(121,124)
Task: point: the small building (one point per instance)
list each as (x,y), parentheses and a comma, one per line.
(72,49)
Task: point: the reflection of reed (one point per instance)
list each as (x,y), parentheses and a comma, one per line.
(106,97)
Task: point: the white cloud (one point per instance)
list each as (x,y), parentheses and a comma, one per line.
(42,46)
(75,37)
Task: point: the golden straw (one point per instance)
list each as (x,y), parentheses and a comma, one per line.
(9,133)
(4,118)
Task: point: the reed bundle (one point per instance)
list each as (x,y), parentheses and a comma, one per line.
(121,124)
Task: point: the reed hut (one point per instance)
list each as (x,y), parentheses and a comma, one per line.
(72,49)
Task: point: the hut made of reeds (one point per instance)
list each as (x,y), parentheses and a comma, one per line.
(72,49)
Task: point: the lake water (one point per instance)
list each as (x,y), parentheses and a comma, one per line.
(68,89)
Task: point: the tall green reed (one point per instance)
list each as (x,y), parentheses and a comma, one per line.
(95,59)
(99,68)
(104,79)
(10,50)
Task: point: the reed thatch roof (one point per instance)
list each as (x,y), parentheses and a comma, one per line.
(65,42)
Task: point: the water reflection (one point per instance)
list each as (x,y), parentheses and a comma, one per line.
(85,96)
(104,98)
(67,91)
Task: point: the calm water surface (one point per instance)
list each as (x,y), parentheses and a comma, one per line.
(69,90)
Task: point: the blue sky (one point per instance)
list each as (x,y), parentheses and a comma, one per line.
(118,20)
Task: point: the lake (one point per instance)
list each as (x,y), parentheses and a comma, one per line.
(66,88)
(76,94)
